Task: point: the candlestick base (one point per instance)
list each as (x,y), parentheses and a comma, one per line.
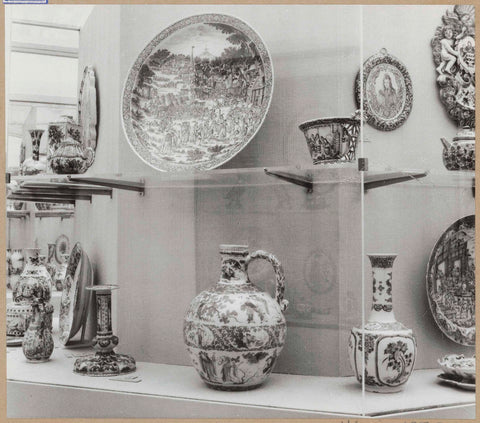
(104,364)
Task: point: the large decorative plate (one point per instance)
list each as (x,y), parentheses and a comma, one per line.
(387,91)
(451,281)
(87,108)
(74,295)
(62,246)
(197,94)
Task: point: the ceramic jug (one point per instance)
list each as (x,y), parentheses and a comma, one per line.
(459,154)
(71,157)
(37,344)
(234,332)
(382,353)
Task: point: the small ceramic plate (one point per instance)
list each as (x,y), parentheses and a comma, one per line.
(14,341)
(69,293)
(457,382)
(459,366)
(62,246)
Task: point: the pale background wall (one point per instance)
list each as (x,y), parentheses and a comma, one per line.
(161,248)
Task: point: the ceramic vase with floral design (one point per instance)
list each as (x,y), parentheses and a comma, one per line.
(34,283)
(234,332)
(33,165)
(384,350)
(37,344)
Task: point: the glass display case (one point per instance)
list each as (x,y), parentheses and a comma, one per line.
(320,199)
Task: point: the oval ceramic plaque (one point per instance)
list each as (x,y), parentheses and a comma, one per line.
(451,281)
(197,94)
(387,91)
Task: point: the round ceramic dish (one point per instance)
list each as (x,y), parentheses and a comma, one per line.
(451,281)
(458,365)
(197,94)
(453,381)
(74,302)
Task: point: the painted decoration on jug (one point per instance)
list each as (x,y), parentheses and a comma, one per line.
(454,55)
(451,281)
(234,332)
(387,91)
(197,94)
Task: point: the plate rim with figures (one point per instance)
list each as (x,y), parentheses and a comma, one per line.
(215,156)
(448,327)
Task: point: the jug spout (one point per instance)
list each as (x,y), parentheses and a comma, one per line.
(446,144)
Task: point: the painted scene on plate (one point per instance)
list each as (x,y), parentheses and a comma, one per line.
(200,95)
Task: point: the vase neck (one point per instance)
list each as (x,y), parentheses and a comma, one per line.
(233,264)
(36,135)
(382,301)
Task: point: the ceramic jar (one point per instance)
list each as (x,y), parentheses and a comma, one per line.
(61,272)
(459,154)
(15,265)
(17,318)
(384,350)
(234,332)
(33,165)
(332,140)
(37,344)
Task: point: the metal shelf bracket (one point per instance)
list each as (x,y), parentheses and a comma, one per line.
(303,181)
(112,183)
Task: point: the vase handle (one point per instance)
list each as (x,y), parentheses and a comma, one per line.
(279,275)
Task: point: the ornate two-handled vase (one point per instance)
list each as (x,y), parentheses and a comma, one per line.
(382,353)
(234,332)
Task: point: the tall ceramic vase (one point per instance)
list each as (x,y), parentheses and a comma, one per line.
(34,284)
(234,332)
(33,165)
(37,344)
(384,350)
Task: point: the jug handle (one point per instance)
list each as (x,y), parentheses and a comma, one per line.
(279,275)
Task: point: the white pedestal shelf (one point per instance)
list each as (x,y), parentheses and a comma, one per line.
(169,391)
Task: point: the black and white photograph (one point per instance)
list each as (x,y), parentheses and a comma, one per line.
(239,211)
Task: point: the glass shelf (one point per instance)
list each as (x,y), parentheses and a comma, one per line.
(325,174)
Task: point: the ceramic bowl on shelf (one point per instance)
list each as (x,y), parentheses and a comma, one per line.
(458,365)
(333,139)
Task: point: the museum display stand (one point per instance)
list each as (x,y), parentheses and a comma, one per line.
(157,234)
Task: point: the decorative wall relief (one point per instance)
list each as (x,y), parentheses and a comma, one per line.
(387,91)
(454,57)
